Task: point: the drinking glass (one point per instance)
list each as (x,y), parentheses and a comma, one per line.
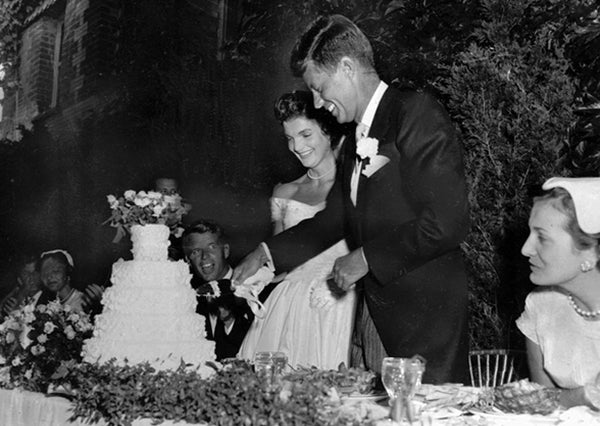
(264,369)
(402,378)
(279,362)
(277,359)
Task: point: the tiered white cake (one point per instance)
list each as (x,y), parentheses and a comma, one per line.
(150,311)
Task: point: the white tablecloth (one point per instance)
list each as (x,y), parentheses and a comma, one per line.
(22,408)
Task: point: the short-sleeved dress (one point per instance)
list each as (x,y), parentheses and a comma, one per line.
(569,343)
(308,335)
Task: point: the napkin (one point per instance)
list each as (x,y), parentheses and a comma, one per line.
(251,288)
(579,416)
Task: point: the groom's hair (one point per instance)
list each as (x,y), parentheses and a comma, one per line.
(326,41)
(204,226)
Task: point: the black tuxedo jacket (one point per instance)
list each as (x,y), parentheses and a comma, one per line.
(410,218)
(228,345)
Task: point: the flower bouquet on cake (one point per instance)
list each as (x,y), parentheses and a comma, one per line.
(142,208)
(36,340)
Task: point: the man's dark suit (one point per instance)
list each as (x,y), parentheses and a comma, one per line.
(410,218)
(228,345)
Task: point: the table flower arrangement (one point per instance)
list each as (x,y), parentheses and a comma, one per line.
(34,340)
(142,208)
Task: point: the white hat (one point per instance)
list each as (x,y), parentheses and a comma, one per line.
(585,192)
(63,252)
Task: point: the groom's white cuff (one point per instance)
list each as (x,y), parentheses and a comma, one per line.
(362,252)
(270,264)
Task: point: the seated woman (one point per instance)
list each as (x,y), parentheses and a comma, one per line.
(304,319)
(56,270)
(561,320)
(28,284)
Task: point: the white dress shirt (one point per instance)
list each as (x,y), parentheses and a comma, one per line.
(213,318)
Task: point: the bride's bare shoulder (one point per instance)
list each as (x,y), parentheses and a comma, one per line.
(287,190)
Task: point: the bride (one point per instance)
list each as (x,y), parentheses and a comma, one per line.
(304,319)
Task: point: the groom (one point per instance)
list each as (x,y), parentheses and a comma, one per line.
(399,199)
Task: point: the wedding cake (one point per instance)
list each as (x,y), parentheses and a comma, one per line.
(149,313)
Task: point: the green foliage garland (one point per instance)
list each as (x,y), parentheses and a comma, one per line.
(234,395)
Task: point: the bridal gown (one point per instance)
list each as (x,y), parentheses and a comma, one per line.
(295,323)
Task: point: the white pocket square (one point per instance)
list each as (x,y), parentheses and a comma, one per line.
(375,163)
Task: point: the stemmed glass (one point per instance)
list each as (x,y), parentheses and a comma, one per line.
(402,378)
(270,364)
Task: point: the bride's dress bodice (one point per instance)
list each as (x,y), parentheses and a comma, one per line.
(291,212)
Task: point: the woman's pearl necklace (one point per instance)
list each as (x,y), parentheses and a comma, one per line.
(581,312)
(320,176)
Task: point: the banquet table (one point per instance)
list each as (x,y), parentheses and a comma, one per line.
(23,408)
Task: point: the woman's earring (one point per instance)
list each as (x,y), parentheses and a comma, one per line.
(586,266)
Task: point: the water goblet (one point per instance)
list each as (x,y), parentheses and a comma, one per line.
(279,362)
(401,378)
(264,369)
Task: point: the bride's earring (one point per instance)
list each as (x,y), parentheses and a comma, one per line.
(586,266)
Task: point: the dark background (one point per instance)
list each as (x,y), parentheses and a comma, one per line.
(185,89)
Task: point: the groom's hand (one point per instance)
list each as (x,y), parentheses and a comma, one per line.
(249,265)
(348,269)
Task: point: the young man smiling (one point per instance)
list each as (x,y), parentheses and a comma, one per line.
(206,251)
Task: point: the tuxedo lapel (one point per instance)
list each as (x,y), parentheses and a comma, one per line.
(379,130)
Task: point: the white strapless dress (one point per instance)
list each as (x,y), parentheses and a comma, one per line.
(296,322)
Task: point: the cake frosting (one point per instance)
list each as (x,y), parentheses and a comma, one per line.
(149,313)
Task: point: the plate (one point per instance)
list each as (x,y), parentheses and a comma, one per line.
(509,419)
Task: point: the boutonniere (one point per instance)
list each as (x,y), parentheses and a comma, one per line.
(367,148)
(211,290)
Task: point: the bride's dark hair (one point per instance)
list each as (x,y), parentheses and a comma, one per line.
(299,103)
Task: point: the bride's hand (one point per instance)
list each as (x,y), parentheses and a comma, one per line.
(249,266)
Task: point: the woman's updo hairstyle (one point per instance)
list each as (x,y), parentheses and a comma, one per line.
(299,103)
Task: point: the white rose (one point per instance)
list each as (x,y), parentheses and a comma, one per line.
(154,195)
(42,338)
(28,374)
(70,332)
(129,194)
(157,210)
(10,338)
(49,327)
(112,201)
(367,147)
(178,232)
(37,349)
(141,201)
(16,362)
